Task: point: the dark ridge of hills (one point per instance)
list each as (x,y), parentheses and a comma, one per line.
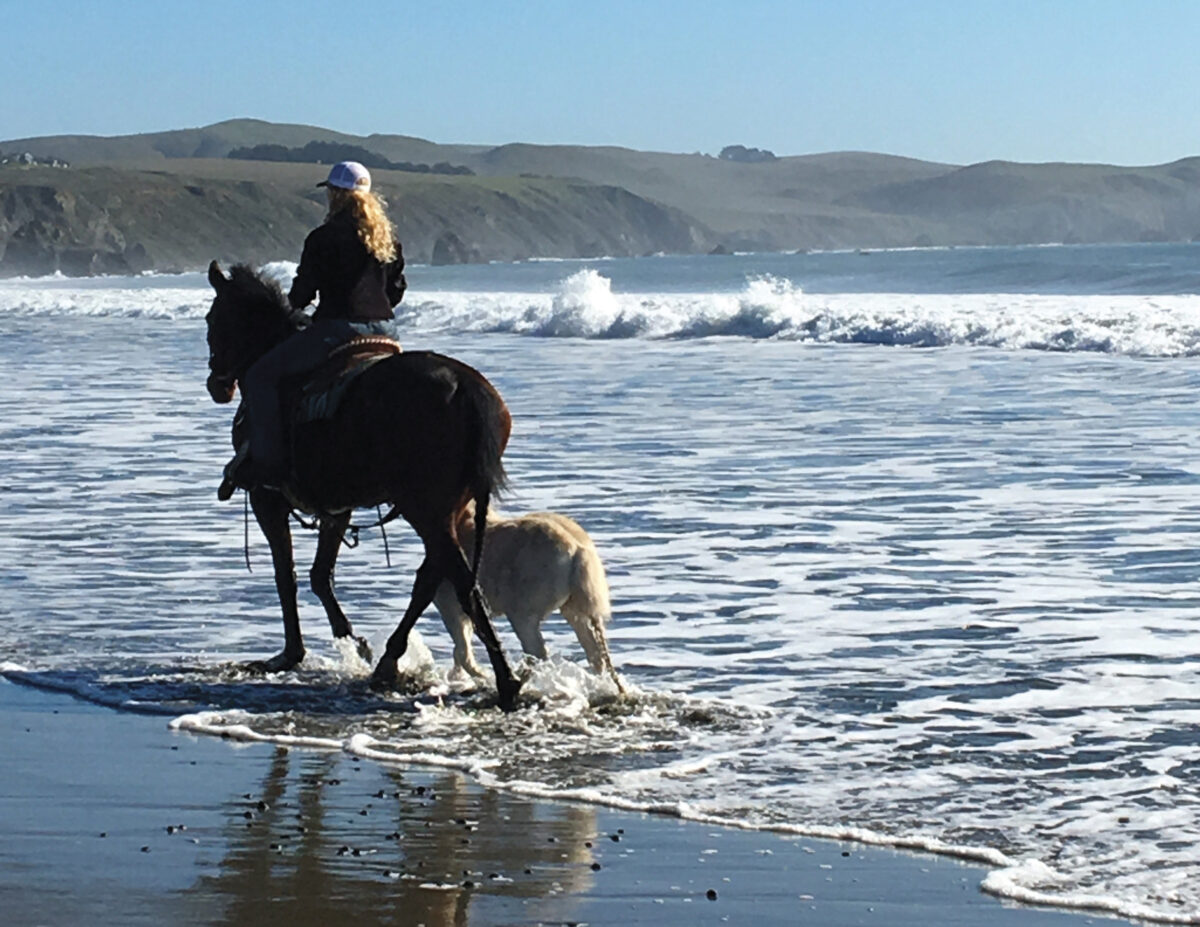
(333,152)
(217,140)
(559,200)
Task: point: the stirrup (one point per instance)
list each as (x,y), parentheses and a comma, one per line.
(235,476)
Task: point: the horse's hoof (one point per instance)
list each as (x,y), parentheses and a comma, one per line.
(364,650)
(379,683)
(279,663)
(384,680)
(508,696)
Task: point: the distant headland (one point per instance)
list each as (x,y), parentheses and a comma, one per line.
(243,190)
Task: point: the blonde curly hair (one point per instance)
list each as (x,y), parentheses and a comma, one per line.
(369,212)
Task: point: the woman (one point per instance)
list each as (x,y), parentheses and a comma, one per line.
(354,262)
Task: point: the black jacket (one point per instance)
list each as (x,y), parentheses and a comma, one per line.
(353,284)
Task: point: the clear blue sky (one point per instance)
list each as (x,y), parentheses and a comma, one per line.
(959,81)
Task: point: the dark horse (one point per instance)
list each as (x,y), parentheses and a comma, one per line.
(417,431)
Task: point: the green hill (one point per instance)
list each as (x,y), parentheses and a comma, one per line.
(175,199)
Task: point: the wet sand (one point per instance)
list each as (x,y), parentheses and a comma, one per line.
(108,817)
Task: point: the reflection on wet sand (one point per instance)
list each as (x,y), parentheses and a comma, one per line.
(329,838)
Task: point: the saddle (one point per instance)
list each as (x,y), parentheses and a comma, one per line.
(320,393)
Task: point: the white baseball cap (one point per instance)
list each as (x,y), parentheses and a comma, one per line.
(348,175)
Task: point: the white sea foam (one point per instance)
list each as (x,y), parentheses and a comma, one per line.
(584,305)
(186,296)
(776,309)
(1031,881)
(282,272)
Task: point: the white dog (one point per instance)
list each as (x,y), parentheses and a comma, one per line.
(533,565)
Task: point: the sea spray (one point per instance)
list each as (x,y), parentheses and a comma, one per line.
(584,307)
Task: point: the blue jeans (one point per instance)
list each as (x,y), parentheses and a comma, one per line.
(300,353)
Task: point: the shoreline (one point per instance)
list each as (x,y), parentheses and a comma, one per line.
(112,818)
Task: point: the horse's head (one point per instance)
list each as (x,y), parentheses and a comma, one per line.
(249,316)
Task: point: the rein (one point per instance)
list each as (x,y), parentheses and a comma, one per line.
(314,523)
(351,542)
(349,537)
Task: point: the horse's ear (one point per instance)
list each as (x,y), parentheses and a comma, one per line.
(216,277)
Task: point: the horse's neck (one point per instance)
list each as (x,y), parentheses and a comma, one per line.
(278,331)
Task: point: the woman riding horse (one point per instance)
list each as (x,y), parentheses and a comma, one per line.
(355,263)
(418,432)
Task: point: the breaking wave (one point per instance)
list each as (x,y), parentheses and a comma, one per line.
(585,305)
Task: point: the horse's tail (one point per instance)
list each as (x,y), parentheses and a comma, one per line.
(481,514)
(491,426)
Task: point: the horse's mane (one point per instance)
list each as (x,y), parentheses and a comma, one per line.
(258,294)
(256,290)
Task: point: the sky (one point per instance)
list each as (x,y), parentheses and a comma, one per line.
(954,81)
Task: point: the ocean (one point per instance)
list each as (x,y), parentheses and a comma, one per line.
(904,546)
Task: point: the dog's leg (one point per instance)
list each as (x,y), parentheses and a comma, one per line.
(590,631)
(529,632)
(458,623)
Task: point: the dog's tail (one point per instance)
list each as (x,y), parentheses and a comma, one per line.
(588,608)
(589,586)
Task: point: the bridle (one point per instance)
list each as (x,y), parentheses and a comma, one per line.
(220,383)
(242,361)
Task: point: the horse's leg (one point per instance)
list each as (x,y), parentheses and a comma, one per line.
(528,626)
(424,588)
(272,511)
(320,578)
(458,624)
(458,571)
(444,560)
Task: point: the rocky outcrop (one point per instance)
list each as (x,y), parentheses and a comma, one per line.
(117,222)
(744,155)
(449,249)
(44,229)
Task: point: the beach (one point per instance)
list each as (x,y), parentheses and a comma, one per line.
(109,817)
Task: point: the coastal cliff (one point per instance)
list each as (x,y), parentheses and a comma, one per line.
(175,200)
(97,220)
